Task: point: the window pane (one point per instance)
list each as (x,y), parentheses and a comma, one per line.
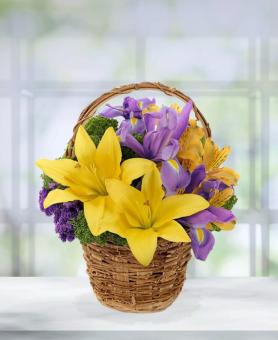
(230,255)
(273,142)
(5,59)
(273,72)
(273,249)
(5,246)
(6,171)
(216,59)
(228,119)
(55,258)
(85,59)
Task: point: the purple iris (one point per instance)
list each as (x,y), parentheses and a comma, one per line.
(177,180)
(170,118)
(157,145)
(131,111)
(164,128)
(63,213)
(202,242)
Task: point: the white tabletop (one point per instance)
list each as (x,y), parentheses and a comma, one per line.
(204,304)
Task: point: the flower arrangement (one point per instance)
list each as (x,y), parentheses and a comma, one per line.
(156,174)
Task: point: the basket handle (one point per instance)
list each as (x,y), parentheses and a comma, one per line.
(124,89)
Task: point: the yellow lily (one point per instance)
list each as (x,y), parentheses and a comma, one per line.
(85,178)
(146,215)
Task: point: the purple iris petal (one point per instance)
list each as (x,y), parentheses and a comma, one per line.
(134,145)
(131,105)
(208,188)
(168,119)
(197,176)
(151,120)
(170,151)
(173,176)
(211,214)
(112,112)
(129,126)
(146,102)
(202,242)
(183,118)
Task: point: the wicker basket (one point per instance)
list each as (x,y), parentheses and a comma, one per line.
(118,280)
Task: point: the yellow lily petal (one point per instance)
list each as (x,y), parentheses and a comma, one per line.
(178,206)
(59,170)
(94,211)
(134,168)
(152,189)
(84,147)
(129,201)
(108,155)
(69,173)
(173,232)
(60,196)
(142,243)
(115,223)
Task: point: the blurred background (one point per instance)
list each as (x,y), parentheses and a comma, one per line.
(56,56)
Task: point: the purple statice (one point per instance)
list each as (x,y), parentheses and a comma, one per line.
(62,217)
(63,213)
(50,210)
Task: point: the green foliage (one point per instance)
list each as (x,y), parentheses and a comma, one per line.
(127,152)
(214,227)
(97,125)
(230,203)
(82,232)
(46,181)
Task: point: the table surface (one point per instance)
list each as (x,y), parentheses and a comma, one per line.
(39,303)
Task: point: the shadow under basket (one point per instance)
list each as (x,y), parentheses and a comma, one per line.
(121,283)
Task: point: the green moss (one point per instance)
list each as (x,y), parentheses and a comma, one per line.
(97,125)
(82,232)
(230,203)
(46,181)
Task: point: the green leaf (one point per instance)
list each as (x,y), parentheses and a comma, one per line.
(230,203)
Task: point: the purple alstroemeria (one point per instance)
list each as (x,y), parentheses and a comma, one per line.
(202,242)
(131,111)
(170,118)
(157,145)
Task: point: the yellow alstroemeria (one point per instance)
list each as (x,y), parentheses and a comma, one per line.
(146,215)
(191,147)
(85,178)
(213,157)
(218,200)
(196,149)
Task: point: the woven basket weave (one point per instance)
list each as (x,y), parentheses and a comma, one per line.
(118,280)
